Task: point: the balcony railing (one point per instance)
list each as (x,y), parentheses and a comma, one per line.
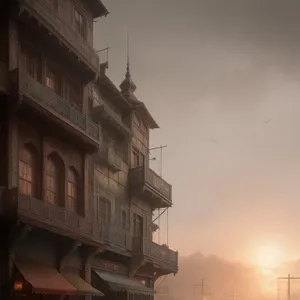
(146,176)
(3,78)
(49,100)
(53,216)
(159,254)
(55,19)
(103,112)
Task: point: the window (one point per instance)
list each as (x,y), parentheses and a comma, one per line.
(136,158)
(95,96)
(137,120)
(72,93)
(30,66)
(79,23)
(27,168)
(53,80)
(143,127)
(142,159)
(137,225)
(104,210)
(123,219)
(72,203)
(54,184)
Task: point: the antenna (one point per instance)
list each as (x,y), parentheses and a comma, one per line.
(161,170)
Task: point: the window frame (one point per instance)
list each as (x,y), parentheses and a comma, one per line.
(53,178)
(73,185)
(80,24)
(57,88)
(72,93)
(135,154)
(29,164)
(124,219)
(104,203)
(138,220)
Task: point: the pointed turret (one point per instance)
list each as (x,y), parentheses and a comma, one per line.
(128,87)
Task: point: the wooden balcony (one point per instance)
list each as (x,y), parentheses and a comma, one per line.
(57,24)
(161,255)
(4,89)
(107,156)
(105,115)
(52,217)
(151,187)
(57,110)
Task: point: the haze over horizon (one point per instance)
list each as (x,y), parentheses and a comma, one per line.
(222,81)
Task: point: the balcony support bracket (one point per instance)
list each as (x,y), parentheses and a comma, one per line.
(88,253)
(17,234)
(135,264)
(66,250)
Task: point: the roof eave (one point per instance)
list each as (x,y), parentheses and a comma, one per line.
(105,80)
(150,120)
(98,9)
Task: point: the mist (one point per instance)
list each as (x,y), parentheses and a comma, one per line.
(222,80)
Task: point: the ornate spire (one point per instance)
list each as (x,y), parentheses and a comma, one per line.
(128,86)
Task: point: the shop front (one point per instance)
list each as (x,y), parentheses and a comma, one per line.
(112,279)
(37,275)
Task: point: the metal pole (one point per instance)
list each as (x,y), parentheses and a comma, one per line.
(289,287)
(159,226)
(289,278)
(167,226)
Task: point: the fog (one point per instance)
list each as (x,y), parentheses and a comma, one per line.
(222,80)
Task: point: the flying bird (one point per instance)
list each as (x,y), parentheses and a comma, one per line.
(213,140)
(266,122)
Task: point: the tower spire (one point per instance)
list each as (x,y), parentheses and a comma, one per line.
(128,57)
(128,87)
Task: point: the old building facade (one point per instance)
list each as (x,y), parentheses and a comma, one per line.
(76,190)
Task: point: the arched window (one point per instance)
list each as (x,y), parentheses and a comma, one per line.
(27,171)
(73,187)
(54,179)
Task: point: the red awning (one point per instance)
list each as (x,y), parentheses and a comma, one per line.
(44,280)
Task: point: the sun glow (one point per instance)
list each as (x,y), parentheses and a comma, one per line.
(269,257)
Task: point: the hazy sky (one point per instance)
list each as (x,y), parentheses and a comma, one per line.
(222,78)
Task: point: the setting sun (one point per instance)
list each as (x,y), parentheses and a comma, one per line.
(269,257)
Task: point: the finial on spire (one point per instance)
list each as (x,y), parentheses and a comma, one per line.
(128,86)
(128,58)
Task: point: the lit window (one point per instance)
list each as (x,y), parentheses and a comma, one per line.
(53,183)
(27,181)
(52,81)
